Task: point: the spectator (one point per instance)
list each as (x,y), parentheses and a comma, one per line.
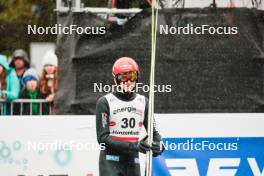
(49,77)
(31,82)
(20,63)
(9,84)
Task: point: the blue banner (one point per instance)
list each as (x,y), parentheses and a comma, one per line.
(211,157)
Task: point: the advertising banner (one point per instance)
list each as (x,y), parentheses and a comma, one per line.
(211,145)
(195,145)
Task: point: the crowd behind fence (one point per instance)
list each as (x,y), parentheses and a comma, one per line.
(17,107)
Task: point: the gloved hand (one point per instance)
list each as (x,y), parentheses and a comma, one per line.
(141,146)
(157,149)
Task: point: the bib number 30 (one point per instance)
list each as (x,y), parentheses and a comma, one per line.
(131,122)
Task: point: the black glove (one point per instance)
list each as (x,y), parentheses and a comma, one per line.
(141,146)
(157,148)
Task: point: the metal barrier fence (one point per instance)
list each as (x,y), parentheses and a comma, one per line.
(77,6)
(17,107)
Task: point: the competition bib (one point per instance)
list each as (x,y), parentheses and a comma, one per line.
(126,117)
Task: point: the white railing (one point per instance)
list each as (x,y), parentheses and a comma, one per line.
(77,6)
(21,103)
(101,10)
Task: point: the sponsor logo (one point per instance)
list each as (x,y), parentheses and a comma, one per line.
(230,156)
(140,100)
(128,109)
(216,166)
(139,111)
(104,119)
(112,157)
(112,123)
(125,132)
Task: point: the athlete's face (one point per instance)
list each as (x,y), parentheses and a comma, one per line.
(128,86)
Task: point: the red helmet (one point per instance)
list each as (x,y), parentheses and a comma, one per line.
(124,64)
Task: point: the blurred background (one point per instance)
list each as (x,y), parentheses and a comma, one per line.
(15,15)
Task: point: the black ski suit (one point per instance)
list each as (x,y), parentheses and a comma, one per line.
(119,118)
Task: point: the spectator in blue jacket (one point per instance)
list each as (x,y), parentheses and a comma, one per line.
(9,84)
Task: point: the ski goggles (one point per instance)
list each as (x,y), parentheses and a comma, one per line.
(132,76)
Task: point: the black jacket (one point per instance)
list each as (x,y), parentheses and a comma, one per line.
(103,133)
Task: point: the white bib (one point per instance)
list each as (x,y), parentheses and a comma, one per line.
(126,117)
